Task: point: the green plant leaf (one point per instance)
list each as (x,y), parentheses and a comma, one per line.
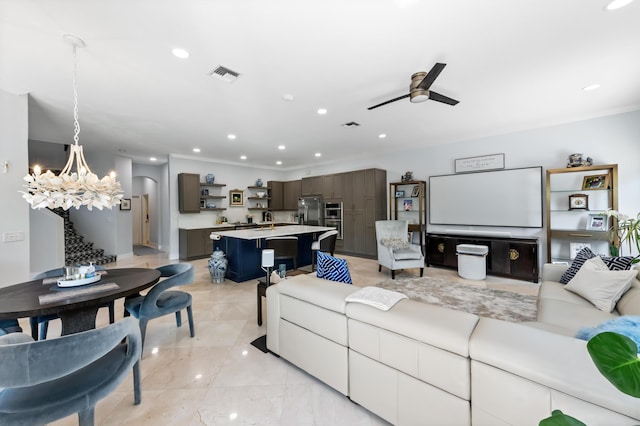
(558,418)
(616,357)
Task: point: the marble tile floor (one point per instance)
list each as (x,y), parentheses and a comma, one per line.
(217,377)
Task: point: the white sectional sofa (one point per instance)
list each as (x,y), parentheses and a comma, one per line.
(419,364)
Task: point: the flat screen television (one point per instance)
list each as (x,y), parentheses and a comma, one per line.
(503,198)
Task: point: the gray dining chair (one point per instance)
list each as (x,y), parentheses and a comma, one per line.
(47,380)
(43,320)
(160,301)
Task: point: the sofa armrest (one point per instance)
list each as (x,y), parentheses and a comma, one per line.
(553,272)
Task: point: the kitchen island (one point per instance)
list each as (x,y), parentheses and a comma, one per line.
(243,247)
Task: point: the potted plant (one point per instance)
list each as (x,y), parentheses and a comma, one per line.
(624,229)
(616,357)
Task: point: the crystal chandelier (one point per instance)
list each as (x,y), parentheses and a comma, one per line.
(72,189)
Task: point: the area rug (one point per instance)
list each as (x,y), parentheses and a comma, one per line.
(144,250)
(485,302)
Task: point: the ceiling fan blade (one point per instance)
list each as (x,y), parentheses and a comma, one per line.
(434,96)
(389,101)
(431,76)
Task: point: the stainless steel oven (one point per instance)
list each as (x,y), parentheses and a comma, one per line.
(333,216)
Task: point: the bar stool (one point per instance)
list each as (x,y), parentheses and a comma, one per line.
(286,248)
(326,242)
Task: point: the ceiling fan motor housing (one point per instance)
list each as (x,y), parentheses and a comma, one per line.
(415,93)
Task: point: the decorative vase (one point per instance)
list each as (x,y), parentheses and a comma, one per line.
(210,178)
(217,266)
(259,182)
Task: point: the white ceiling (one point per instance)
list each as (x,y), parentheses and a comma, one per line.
(512,64)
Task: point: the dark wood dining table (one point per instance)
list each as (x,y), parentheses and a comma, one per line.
(77,311)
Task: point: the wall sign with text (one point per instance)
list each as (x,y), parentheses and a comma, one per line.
(483,162)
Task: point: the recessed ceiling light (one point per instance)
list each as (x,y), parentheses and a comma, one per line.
(591,87)
(288,97)
(617,4)
(231,136)
(322,111)
(153,159)
(180,53)
(243,157)
(121,150)
(317,154)
(281,147)
(382,135)
(196,149)
(278,162)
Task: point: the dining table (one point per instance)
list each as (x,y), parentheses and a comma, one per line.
(78,306)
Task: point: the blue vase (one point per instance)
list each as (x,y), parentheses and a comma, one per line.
(217,266)
(210,178)
(259,182)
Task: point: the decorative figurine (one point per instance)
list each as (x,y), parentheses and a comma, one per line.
(408,176)
(575,160)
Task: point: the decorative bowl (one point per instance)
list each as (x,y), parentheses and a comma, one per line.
(261,194)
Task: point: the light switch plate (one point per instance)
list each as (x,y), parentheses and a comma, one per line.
(10,237)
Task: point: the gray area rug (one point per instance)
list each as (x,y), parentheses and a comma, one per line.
(498,304)
(144,250)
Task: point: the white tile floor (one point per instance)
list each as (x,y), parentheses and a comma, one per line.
(217,377)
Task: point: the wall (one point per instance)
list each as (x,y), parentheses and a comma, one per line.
(109,229)
(14,215)
(47,241)
(612,139)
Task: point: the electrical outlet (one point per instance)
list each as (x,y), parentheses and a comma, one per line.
(10,237)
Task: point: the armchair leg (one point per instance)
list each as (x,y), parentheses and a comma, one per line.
(379,268)
(421,271)
(393,274)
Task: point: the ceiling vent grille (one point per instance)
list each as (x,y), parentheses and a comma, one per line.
(224,73)
(351,124)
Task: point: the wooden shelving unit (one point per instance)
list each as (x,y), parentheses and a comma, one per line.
(408,201)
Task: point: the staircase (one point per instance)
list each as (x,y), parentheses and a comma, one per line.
(76,250)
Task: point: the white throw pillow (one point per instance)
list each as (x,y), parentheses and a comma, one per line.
(600,286)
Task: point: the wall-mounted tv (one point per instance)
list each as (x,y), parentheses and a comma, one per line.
(509,198)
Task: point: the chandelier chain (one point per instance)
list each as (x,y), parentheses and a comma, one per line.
(76,123)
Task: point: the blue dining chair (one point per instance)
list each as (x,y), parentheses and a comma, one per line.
(160,301)
(43,320)
(47,380)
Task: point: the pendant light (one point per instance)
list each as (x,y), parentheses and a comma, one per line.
(72,188)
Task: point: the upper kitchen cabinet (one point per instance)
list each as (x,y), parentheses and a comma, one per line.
(292,191)
(189,193)
(276,194)
(332,186)
(312,185)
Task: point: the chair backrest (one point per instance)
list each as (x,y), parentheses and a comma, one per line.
(31,363)
(284,247)
(9,326)
(327,241)
(391,229)
(175,274)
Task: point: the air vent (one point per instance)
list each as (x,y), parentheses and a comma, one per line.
(225,74)
(351,124)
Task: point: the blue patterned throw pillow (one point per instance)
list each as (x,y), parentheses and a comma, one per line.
(332,268)
(621,263)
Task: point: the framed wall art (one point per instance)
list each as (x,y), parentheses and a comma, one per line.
(236,197)
(125,204)
(399,194)
(597,222)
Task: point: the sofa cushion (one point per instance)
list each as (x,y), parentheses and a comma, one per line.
(333,269)
(411,252)
(629,303)
(557,291)
(324,293)
(626,325)
(571,316)
(600,286)
(621,263)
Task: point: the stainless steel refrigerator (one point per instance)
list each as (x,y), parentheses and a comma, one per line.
(311,210)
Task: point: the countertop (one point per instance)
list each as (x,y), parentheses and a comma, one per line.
(231,225)
(278,231)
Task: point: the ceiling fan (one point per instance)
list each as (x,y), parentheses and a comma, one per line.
(419,88)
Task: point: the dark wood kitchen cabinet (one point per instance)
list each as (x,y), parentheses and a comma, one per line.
(189,193)
(311,185)
(292,191)
(195,243)
(509,257)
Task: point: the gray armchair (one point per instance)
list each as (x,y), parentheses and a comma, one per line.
(159,301)
(394,250)
(47,380)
